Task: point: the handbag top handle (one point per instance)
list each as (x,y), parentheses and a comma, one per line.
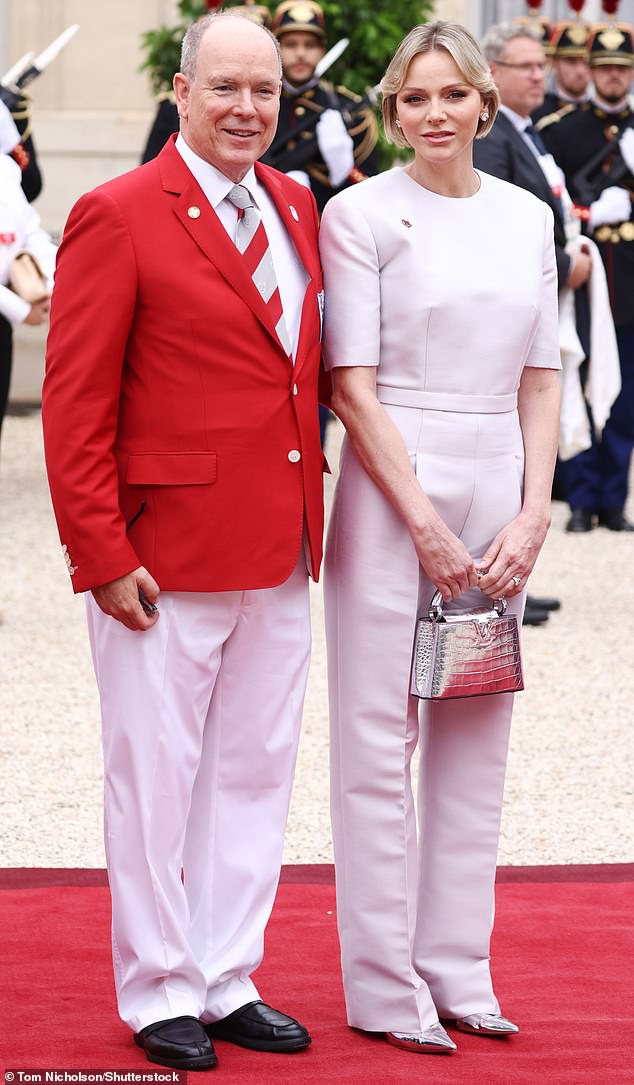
(435,607)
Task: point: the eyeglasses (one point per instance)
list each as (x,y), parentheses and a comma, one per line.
(538,66)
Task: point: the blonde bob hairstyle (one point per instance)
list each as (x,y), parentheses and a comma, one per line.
(464,50)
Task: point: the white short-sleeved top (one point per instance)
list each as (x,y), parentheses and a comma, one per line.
(442,295)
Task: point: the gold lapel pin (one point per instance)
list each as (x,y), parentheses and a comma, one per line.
(193,212)
(406,222)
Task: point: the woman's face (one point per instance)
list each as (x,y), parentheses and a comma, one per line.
(438,109)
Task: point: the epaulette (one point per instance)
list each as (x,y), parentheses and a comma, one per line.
(348,94)
(554,118)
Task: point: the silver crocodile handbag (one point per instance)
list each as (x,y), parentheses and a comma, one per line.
(466,655)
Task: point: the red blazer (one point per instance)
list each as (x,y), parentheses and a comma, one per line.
(178,435)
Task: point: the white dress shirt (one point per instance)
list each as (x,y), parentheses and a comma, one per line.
(291,274)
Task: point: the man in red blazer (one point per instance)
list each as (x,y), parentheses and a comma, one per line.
(182,444)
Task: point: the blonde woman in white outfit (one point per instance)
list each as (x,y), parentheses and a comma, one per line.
(441,334)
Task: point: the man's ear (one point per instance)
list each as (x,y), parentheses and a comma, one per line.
(181,93)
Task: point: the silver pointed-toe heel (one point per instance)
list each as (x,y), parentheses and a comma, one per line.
(431,1041)
(487,1024)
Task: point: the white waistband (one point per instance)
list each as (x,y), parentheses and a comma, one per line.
(446,401)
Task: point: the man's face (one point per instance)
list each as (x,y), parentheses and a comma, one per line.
(229,110)
(520,75)
(301,51)
(572,75)
(612,81)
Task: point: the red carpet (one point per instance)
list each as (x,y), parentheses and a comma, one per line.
(562,958)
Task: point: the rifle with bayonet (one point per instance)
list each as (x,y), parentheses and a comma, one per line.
(599,173)
(27,68)
(285,158)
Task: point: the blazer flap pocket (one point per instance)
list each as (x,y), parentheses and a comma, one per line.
(171,468)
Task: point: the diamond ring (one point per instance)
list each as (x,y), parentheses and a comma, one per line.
(516,580)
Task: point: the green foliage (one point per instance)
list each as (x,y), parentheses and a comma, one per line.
(374,29)
(163,46)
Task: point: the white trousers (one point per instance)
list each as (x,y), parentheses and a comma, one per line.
(201,718)
(415,904)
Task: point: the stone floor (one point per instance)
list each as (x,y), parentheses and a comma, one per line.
(571,773)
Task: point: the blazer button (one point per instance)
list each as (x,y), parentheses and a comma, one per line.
(294,456)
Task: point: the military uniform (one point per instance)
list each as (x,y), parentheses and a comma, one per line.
(568,39)
(31,181)
(301,152)
(554,107)
(597,480)
(296,147)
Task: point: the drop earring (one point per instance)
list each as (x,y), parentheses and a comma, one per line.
(398,124)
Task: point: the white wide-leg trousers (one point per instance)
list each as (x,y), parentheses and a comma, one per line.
(201,718)
(415,906)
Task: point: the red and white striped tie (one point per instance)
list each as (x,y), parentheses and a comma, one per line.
(252,242)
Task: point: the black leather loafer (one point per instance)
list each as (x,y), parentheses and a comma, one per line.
(614,520)
(180,1042)
(260,1028)
(543,602)
(580,520)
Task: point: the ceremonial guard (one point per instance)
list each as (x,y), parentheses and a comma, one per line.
(324,133)
(568,51)
(19,106)
(594,146)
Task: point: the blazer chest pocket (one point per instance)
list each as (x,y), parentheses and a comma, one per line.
(171,469)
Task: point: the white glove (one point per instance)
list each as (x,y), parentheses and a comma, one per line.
(626,147)
(613,205)
(335,145)
(299,176)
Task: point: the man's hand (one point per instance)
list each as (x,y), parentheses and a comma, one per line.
(120,599)
(335,146)
(580,268)
(613,205)
(39,312)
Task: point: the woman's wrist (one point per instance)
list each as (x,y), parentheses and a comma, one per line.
(538,513)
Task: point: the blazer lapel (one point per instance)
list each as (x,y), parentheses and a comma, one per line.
(291,218)
(540,187)
(201,222)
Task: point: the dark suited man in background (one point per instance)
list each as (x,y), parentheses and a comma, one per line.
(602,132)
(513,152)
(182,444)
